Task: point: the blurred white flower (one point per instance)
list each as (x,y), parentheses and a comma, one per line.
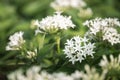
(112,64)
(77,75)
(16,41)
(85,13)
(62,76)
(63,4)
(32,73)
(35,73)
(52,24)
(77,48)
(17,75)
(106,27)
(92,74)
(80,5)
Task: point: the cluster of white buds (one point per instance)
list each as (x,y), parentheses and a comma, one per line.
(52,24)
(77,48)
(106,27)
(31,54)
(16,41)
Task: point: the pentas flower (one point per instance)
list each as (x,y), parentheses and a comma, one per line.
(98,24)
(62,4)
(16,41)
(112,64)
(89,74)
(52,24)
(111,36)
(106,27)
(77,48)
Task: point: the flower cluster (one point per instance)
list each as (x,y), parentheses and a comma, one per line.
(16,41)
(78,48)
(51,24)
(107,27)
(62,4)
(113,64)
(35,73)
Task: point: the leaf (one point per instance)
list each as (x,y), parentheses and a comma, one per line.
(44,51)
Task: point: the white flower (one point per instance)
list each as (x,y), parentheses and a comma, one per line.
(94,25)
(106,27)
(98,24)
(80,5)
(35,73)
(17,75)
(52,24)
(32,73)
(62,4)
(92,74)
(16,41)
(113,63)
(89,35)
(77,75)
(62,76)
(112,36)
(77,48)
(85,13)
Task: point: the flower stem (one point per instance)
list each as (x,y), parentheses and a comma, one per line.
(58,44)
(42,41)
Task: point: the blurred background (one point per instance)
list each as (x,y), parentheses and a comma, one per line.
(17,15)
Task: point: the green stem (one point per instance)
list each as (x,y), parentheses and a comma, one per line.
(42,41)
(58,44)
